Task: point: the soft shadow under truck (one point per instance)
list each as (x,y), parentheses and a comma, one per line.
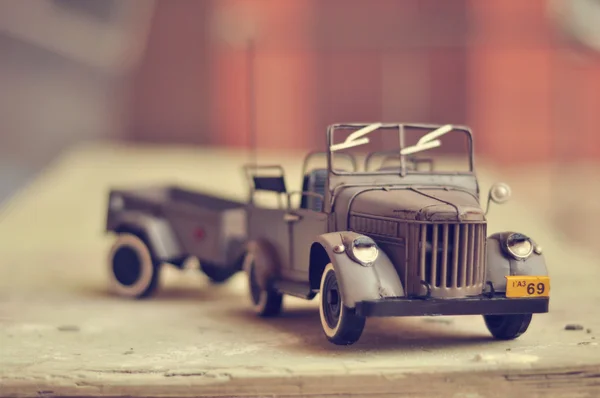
(395,240)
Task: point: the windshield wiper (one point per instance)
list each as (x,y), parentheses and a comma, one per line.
(356,138)
(428,141)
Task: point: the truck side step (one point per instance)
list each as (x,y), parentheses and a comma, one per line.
(297,289)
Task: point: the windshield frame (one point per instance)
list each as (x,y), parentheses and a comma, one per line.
(400,129)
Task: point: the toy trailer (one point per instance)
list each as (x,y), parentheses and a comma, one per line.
(159,225)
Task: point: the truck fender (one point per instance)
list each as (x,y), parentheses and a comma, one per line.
(157,231)
(500,264)
(357,282)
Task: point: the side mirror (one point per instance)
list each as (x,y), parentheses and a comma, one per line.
(499,193)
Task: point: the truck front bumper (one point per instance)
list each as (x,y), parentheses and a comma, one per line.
(481,305)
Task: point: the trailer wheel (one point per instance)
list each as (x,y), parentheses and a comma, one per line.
(217,274)
(340,324)
(133,273)
(266,301)
(507,327)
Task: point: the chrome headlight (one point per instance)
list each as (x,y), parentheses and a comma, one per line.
(519,246)
(366,254)
(362,249)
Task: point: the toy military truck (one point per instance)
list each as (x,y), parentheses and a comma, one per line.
(405,237)
(390,225)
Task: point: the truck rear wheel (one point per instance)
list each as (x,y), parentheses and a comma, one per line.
(133,273)
(507,327)
(340,324)
(266,301)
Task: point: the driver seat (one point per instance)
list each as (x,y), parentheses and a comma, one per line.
(315,182)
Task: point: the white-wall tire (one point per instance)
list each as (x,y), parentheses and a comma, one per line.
(339,323)
(132,272)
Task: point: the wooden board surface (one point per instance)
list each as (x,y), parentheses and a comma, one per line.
(61,333)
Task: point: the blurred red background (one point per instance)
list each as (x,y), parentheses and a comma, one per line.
(507,68)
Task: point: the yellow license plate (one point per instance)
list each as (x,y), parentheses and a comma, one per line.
(527,286)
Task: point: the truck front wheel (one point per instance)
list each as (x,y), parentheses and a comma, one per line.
(133,273)
(507,327)
(340,324)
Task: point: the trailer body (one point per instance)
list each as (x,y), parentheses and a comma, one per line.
(177,223)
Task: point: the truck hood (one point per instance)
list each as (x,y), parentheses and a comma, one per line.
(422,204)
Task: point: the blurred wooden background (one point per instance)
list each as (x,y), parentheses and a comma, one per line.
(523,74)
(505,67)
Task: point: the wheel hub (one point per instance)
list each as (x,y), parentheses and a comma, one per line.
(332,305)
(127,266)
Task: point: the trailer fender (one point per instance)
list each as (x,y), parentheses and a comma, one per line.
(357,282)
(499,263)
(159,234)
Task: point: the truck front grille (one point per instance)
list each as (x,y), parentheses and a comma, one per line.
(451,257)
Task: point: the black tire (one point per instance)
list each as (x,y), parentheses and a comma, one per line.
(266,302)
(340,324)
(216,273)
(507,327)
(133,272)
